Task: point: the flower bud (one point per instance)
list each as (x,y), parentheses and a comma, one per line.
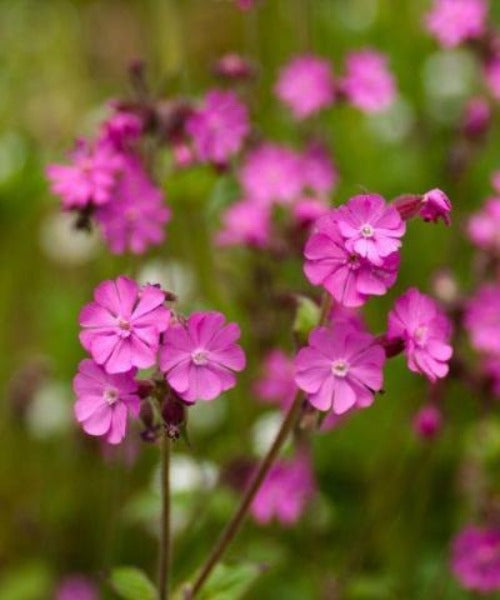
(427,422)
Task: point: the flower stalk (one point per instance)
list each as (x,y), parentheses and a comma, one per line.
(165,553)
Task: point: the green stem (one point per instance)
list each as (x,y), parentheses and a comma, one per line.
(165,553)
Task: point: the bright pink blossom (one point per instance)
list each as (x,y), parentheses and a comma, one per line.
(341,367)
(368,84)
(272,173)
(482,318)
(122,327)
(425,330)
(135,217)
(492,76)
(350,278)
(245,223)
(199,357)
(475,559)
(483,227)
(427,422)
(89,179)
(319,175)
(306,85)
(436,205)
(452,22)
(285,492)
(219,126)
(104,400)
(122,129)
(277,383)
(372,229)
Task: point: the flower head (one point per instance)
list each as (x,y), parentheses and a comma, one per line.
(340,368)
(89,179)
(483,227)
(135,216)
(435,205)
(306,85)
(245,222)
(425,331)
(350,278)
(319,175)
(368,84)
(427,421)
(285,492)
(121,129)
(371,227)
(122,327)
(104,401)
(475,559)
(482,318)
(277,383)
(219,127)
(233,66)
(199,358)
(452,22)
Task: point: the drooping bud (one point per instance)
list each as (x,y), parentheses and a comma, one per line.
(427,422)
(174,416)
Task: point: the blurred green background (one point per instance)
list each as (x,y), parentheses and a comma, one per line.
(387,504)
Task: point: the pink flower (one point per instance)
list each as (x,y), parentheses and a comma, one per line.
(135,216)
(425,330)
(482,318)
(285,492)
(483,227)
(122,327)
(306,85)
(104,400)
(76,587)
(368,84)
(477,117)
(90,179)
(492,76)
(371,227)
(277,383)
(350,278)
(199,358)
(122,129)
(340,368)
(475,559)
(436,205)
(427,422)
(232,66)
(271,173)
(246,223)
(308,210)
(452,22)
(319,175)
(219,127)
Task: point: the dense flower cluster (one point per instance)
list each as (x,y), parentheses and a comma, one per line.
(455,21)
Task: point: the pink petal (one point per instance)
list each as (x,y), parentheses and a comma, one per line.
(118,424)
(99,422)
(344,398)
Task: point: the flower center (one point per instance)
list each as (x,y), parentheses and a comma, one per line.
(199,357)
(340,368)
(420,335)
(367,231)
(111,395)
(124,326)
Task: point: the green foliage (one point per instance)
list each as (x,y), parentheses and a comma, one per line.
(230,582)
(132,584)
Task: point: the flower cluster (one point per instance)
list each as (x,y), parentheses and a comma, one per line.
(452,22)
(128,327)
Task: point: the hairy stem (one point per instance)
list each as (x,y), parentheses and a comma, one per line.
(165,553)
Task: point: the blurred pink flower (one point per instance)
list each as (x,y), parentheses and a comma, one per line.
(233,66)
(247,223)
(199,357)
(427,421)
(271,174)
(368,84)
(424,328)
(492,76)
(121,328)
(482,318)
(308,210)
(134,218)
(306,85)
(483,227)
(350,278)
(341,367)
(372,229)
(475,559)
(277,383)
(219,127)
(76,587)
(319,175)
(436,205)
(452,22)
(89,179)
(477,117)
(121,129)
(105,400)
(285,492)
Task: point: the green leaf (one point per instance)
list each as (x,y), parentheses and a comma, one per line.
(230,582)
(132,584)
(306,317)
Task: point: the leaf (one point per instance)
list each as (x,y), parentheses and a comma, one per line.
(132,584)
(230,582)
(306,317)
